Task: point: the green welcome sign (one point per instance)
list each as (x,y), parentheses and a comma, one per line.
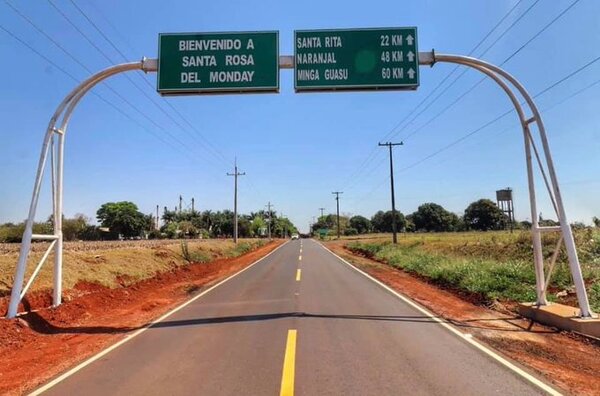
(324,60)
(356,59)
(198,63)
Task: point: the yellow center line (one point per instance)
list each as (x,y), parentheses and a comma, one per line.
(298,273)
(289,364)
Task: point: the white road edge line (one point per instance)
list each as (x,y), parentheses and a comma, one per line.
(468,338)
(129,337)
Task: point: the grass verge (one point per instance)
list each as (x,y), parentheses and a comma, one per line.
(486,277)
(114,264)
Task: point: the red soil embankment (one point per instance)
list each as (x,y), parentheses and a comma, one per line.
(45,342)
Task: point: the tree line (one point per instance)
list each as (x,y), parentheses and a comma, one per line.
(123,220)
(480,215)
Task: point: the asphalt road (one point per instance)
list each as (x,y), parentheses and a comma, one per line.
(272,329)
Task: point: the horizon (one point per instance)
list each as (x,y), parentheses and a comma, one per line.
(297,149)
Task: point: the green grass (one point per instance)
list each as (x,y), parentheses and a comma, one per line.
(489,266)
(244,247)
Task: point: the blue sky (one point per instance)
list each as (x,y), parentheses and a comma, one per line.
(298,148)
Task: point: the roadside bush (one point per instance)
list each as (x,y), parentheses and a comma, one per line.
(240,249)
(366,249)
(198,256)
(350,231)
(154,234)
(488,279)
(13,233)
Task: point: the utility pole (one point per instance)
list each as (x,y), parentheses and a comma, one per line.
(235,175)
(180,201)
(269,206)
(337,200)
(192,205)
(157,219)
(390,145)
(321,209)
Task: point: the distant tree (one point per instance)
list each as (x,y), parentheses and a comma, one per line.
(596,222)
(578,225)
(188,229)
(546,222)
(525,224)
(123,218)
(171,230)
(222,224)
(377,221)
(350,231)
(258,225)
(329,222)
(283,226)
(13,233)
(410,224)
(360,224)
(75,228)
(382,221)
(484,215)
(169,216)
(244,227)
(433,217)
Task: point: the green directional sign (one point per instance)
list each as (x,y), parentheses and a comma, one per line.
(197,63)
(356,59)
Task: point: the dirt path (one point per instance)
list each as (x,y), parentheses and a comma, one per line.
(41,344)
(569,361)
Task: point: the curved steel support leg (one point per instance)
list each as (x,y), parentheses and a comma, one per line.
(71,100)
(564,224)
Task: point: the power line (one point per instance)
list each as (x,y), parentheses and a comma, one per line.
(71,56)
(372,154)
(506,15)
(204,141)
(472,88)
(542,30)
(462,74)
(496,119)
(111,61)
(469,54)
(68,74)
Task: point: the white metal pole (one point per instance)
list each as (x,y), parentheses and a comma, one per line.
(430,58)
(147,65)
(58,248)
(15,294)
(538,257)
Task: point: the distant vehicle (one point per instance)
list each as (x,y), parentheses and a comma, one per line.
(295,236)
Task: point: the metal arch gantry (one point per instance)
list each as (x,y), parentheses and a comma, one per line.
(501,77)
(64,110)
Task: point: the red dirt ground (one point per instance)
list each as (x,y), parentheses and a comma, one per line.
(570,361)
(45,342)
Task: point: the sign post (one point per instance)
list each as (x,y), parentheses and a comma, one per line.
(202,63)
(356,59)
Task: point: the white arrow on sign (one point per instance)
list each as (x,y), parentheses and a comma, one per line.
(409,39)
(411,73)
(410,56)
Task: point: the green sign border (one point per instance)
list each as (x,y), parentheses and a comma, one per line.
(370,87)
(217,91)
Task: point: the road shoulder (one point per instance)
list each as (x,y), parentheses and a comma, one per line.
(44,343)
(568,361)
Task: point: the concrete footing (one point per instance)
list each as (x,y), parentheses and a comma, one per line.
(562,317)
